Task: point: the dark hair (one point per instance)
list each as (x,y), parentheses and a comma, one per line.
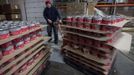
(48,2)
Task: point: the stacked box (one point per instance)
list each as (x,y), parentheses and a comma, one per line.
(7,9)
(15,9)
(2,17)
(93,42)
(11,12)
(1,9)
(10,9)
(13,17)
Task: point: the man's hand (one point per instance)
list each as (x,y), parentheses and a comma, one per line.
(60,21)
(50,21)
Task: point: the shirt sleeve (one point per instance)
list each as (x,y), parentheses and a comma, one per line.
(58,14)
(45,14)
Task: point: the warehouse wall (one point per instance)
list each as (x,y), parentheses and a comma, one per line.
(31,9)
(34,10)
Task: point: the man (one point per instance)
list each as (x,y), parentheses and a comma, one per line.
(51,15)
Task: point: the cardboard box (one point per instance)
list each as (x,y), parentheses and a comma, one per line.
(15,6)
(1,11)
(2,17)
(7,9)
(13,17)
(15,9)
(16,16)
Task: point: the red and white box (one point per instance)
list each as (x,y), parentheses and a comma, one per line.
(39,33)
(33,36)
(37,24)
(97,43)
(79,21)
(4,34)
(7,48)
(96,27)
(18,43)
(32,26)
(87,21)
(109,20)
(30,62)
(119,19)
(1,55)
(104,28)
(75,38)
(69,19)
(23,68)
(73,20)
(89,42)
(26,39)
(15,30)
(81,40)
(24,28)
(97,20)
(109,35)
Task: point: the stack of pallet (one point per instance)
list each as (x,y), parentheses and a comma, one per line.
(90,43)
(23,52)
(10,12)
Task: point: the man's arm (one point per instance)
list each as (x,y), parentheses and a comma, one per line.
(58,14)
(45,14)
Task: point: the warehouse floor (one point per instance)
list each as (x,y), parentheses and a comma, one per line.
(123,65)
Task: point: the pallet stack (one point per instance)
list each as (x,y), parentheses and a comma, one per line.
(23,52)
(10,12)
(90,43)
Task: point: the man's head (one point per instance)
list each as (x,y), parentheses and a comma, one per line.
(48,4)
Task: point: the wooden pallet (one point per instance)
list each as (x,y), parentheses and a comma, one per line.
(91,57)
(80,49)
(98,48)
(32,68)
(16,52)
(22,57)
(119,24)
(88,30)
(128,29)
(17,36)
(93,37)
(83,68)
(29,50)
(92,61)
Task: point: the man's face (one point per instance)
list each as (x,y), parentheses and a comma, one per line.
(48,5)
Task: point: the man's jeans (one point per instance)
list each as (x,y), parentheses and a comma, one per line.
(54,28)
